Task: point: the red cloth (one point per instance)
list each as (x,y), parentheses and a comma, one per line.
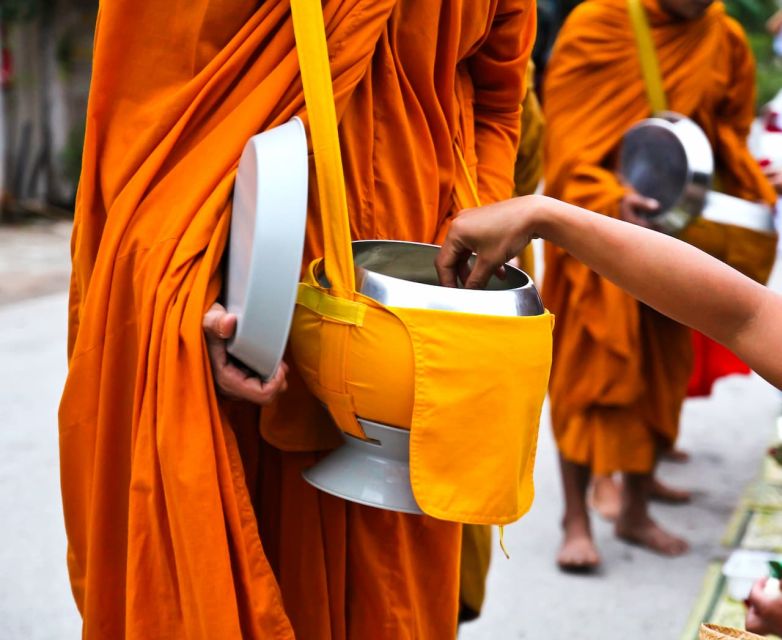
(712,362)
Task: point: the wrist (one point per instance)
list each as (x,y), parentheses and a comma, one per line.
(542,216)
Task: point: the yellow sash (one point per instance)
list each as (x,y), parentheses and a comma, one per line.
(650,66)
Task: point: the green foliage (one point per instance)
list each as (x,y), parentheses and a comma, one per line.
(751,13)
(64,52)
(71,154)
(769,70)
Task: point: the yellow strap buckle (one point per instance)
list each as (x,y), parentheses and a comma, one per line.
(330,307)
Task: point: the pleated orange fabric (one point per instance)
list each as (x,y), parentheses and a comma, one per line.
(529,161)
(181,521)
(620,370)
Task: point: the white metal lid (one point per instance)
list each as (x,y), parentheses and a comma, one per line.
(726,209)
(267,241)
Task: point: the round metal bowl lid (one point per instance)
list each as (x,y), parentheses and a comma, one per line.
(266,244)
(654,162)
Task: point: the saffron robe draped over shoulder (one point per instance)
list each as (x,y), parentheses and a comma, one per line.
(182,522)
(620,370)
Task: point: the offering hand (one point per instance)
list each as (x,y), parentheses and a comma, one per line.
(495,232)
(232,379)
(764,612)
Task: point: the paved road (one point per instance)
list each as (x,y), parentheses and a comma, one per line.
(639,595)
(34,259)
(35,600)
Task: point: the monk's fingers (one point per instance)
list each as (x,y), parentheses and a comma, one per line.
(639,203)
(636,209)
(231,380)
(643,221)
(218,358)
(630,215)
(218,324)
(236,383)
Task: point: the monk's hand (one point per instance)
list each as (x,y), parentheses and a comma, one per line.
(764,611)
(231,379)
(495,233)
(635,208)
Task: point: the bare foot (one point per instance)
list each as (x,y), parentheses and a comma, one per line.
(665,493)
(578,553)
(647,533)
(676,455)
(605,497)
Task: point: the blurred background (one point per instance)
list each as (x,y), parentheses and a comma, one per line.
(45,54)
(46,63)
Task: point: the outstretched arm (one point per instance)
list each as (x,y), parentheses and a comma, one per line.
(675,278)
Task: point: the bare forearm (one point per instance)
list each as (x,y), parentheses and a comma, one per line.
(667,274)
(673,277)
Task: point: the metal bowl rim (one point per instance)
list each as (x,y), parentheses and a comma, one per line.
(528,285)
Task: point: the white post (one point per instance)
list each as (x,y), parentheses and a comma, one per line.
(2,133)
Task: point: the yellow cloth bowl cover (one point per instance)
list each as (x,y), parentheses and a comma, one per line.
(469,387)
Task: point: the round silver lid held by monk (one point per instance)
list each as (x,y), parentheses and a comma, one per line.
(266,244)
(669,158)
(376,472)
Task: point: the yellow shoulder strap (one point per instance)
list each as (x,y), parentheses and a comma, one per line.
(650,66)
(310,34)
(472,194)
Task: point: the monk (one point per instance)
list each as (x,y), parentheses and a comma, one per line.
(621,369)
(184,518)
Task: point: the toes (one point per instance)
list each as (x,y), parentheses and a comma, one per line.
(653,538)
(578,556)
(677,547)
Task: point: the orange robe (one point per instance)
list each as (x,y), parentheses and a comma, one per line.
(620,369)
(529,161)
(182,522)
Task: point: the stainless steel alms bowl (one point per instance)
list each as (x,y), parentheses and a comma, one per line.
(669,158)
(402,274)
